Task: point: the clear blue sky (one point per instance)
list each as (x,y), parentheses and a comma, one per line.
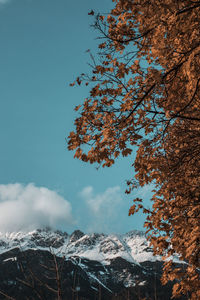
(43,47)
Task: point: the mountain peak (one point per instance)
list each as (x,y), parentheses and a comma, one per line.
(76,235)
(113,261)
(132,246)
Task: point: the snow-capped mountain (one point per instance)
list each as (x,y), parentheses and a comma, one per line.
(132,246)
(89,261)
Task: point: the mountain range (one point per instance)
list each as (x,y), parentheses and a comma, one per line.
(48,264)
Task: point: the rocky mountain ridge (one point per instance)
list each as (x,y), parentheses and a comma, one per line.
(132,246)
(86,264)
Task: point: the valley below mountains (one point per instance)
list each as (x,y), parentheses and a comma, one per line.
(46,264)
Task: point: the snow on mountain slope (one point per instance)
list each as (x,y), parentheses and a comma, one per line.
(113,261)
(132,246)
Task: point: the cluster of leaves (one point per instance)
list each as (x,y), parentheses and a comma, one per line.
(145,96)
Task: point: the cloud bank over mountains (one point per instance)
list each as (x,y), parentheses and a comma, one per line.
(103,209)
(102,202)
(29,207)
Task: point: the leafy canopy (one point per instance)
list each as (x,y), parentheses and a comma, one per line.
(144,97)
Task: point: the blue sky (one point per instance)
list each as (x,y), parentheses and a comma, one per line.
(43,47)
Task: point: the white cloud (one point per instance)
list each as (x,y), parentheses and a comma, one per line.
(30,207)
(103,208)
(99,202)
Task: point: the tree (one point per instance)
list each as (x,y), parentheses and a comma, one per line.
(145,95)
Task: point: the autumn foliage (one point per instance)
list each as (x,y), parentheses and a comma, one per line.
(145,97)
